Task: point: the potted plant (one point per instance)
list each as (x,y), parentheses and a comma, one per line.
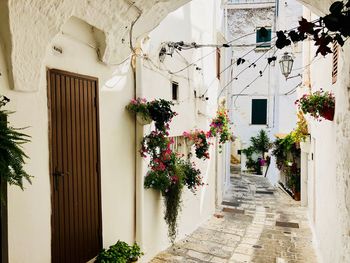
(139,106)
(318,104)
(160,111)
(120,252)
(12,156)
(201,143)
(219,126)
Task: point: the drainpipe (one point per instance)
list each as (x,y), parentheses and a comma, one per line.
(139,169)
(136,64)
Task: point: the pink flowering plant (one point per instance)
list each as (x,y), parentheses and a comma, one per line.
(318,104)
(219,126)
(200,142)
(139,106)
(157,110)
(168,172)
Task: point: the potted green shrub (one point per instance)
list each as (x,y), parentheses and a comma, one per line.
(318,104)
(120,252)
(12,156)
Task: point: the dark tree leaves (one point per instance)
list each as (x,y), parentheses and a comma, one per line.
(323,42)
(339,39)
(240,61)
(269,60)
(336,7)
(332,22)
(282,40)
(294,36)
(306,26)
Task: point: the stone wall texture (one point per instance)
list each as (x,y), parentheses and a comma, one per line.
(29,26)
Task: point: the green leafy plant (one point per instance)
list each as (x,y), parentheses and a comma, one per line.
(220,126)
(12,156)
(161,112)
(157,110)
(300,133)
(168,173)
(200,142)
(191,176)
(255,152)
(287,154)
(318,104)
(139,106)
(120,252)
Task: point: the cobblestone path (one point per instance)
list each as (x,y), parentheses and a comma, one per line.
(256,223)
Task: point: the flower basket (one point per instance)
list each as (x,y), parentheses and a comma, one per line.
(327,113)
(142,119)
(318,104)
(189,142)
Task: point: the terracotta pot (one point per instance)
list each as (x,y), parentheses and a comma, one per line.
(297,196)
(143,120)
(327,113)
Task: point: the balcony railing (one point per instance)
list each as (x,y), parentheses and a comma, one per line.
(240,2)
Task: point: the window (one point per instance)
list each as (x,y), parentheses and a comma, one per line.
(335,62)
(259,111)
(175,90)
(263,37)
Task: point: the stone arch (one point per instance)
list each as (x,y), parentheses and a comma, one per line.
(27,28)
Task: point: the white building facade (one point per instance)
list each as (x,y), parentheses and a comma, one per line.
(81,51)
(260,96)
(325,174)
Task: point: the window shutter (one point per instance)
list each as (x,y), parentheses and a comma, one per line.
(335,62)
(259,111)
(218,62)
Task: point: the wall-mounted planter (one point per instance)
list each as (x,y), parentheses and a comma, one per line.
(143,120)
(328,113)
(189,143)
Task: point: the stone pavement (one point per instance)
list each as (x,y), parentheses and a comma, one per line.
(256,223)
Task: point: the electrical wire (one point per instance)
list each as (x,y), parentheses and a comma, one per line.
(259,76)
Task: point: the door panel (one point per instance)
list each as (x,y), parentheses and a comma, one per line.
(74,167)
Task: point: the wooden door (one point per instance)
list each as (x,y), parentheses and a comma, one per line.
(74,167)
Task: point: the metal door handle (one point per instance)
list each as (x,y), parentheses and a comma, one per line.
(56,175)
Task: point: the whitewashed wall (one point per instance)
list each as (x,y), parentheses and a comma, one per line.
(328,166)
(193,22)
(30,210)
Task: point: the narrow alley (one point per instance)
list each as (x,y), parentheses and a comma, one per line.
(256,223)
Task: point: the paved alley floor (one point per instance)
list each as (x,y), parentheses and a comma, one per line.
(256,223)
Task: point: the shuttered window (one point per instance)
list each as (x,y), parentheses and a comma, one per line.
(335,62)
(259,111)
(263,37)
(218,63)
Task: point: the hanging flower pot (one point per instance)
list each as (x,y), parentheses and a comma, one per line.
(189,142)
(142,119)
(327,113)
(318,104)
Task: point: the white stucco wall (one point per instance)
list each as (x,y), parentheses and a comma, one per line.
(30,210)
(191,23)
(328,166)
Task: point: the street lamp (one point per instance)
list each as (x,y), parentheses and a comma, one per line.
(286,64)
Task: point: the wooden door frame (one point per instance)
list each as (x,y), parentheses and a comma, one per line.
(86,77)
